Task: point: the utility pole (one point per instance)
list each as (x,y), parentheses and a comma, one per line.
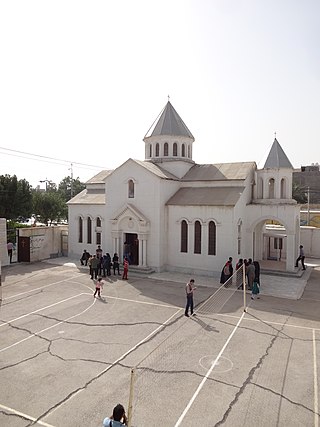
(71,183)
(46,181)
(308,195)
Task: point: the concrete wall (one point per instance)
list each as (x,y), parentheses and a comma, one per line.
(4,259)
(310,239)
(45,242)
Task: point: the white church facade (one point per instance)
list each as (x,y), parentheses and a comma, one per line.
(172,214)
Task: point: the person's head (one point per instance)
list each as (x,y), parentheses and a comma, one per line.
(230,258)
(250,260)
(240,260)
(118,412)
(191,280)
(300,246)
(99,279)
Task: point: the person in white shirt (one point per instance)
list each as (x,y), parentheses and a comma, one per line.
(189,293)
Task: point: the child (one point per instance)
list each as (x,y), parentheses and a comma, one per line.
(99,285)
(255,290)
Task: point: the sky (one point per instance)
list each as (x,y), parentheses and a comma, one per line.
(81,82)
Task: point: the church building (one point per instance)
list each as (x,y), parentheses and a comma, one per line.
(169,213)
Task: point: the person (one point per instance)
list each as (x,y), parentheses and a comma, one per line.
(118,417)
(255,290)
(94,267)
(108,264)
(257,272)
(115,262)
(10,249)
(189,293)
(301,257)
(125,269)
(250,272)
(99,286)
(84,258)
(99,256)
(227,271)
(239,276)
(239,263)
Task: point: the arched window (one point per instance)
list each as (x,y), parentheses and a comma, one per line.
(283,193)
(183,152)
(197,237)
(130,189)
(175,149)
(271,188)
(184,236)
(157,150)
(98,232)
(150,150)
(212,238)
(166,149)
(89,230)
(80,230)
(260,188)
(189,152)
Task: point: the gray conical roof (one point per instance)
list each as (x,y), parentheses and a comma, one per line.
(277,158)
(169,123)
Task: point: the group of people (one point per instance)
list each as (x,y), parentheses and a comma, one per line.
(101,265)
(252,272)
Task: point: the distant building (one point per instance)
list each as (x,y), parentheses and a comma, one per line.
(176,215)
(308,177)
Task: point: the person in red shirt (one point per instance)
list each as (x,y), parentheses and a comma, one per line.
(125,269)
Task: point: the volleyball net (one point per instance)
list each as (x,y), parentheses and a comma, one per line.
(160,377)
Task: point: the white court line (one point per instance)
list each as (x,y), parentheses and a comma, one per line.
(125,354)
(184,413)
(40,309)
(37,289)
(315,381)
(46,329)
(41,423)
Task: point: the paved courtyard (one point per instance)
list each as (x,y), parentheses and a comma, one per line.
(66,358)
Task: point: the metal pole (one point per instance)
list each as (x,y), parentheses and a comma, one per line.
(131,397)
(244,287)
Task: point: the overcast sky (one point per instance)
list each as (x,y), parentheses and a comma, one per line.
(82,81)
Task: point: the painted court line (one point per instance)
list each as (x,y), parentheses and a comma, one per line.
(28,417)
(37,289)
(184,413)
(46,329)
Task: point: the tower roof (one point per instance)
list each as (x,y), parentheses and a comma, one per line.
(169,123)
(277,158)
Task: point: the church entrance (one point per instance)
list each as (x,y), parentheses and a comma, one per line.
(131,248)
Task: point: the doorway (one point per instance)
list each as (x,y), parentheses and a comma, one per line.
(131,248)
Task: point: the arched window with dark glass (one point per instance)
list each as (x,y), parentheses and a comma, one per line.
(212,238)
(183,150)
(166,149)
(98,231)
(157,150)
(89,230)
(184,236)
(197,237)
(283,193)
(189,152)
(130,189)
(80,224)
(150,150)
(175,149)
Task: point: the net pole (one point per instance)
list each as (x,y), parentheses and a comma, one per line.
(244,287)
(131,397)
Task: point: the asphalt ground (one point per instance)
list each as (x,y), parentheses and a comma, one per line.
(66,358)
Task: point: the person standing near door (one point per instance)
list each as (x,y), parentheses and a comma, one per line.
(301,257)
(10,250)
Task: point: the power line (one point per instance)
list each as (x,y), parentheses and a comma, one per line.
(54,160)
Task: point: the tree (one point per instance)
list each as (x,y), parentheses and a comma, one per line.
(64,188)
(49,206)
(15,197)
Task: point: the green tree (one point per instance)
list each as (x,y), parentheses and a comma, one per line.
(64,188)
(15,197)
(299,193)
(49,206)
